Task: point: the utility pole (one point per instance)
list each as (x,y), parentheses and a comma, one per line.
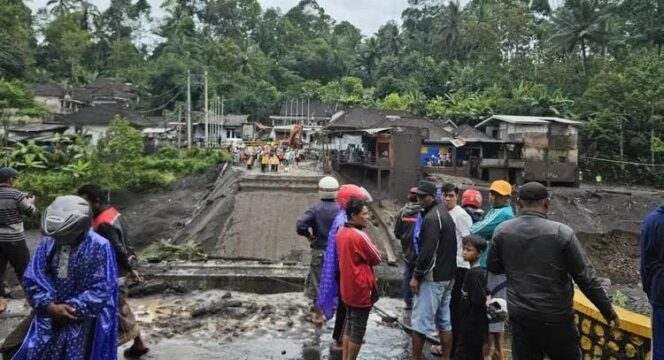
(189,137)
(179,127)
(308,110)
(207,112)
(223,122)
(622,157)
(652,149)
(215,120)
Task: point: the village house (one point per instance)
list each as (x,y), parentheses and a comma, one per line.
(531,148)
(105,91)
(309,113)
(95,120)
(55,98)
(41,134)
(383,146)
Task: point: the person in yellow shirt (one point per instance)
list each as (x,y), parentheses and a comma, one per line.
(274,163)
(265,162)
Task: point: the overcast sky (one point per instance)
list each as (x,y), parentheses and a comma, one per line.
(368,15)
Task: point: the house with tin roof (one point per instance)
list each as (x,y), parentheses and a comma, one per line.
(531,148)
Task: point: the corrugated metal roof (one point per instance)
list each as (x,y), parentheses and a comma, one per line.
(376,130)
(528,120)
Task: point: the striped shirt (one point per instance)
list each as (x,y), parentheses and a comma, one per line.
(13,205)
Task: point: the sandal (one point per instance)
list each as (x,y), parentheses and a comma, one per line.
(436,350)
(134,353)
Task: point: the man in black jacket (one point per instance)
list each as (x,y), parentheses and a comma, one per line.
(404,229)
(109,223)
(434,272)
(540,258)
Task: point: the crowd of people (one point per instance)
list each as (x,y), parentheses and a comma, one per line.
(76,281)
(463,270)
(270,157)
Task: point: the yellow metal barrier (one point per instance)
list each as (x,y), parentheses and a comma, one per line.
(599,341)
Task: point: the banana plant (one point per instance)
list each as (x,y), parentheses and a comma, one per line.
(79,168)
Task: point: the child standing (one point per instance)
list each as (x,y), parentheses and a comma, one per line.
(474,325)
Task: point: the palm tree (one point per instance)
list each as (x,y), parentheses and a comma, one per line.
(389,38)
(368,56)
(59,7)
(89,13)
(451,23)
(580,23)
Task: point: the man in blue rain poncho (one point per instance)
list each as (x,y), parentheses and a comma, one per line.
(71,283)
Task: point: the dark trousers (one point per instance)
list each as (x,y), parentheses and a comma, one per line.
(455,304)
(532,339)
(658,332)
(16,254)
(339,322)
(407,293)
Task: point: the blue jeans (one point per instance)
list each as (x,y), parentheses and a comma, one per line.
(407,294)
(658,332)
(431,307)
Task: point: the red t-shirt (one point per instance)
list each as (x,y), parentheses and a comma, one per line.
(357,254)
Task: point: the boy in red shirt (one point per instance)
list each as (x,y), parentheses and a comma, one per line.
(357,255)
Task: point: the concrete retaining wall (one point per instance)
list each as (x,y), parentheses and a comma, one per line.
(599,341)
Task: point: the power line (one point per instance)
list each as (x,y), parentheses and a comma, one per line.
(162,105)
(622,162)
(165,92)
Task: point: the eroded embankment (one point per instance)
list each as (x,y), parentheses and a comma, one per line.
(614,254)
(253,216)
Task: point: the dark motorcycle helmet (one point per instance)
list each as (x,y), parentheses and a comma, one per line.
(67,220)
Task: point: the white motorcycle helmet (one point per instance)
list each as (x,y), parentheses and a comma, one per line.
(497,311)
(327,188)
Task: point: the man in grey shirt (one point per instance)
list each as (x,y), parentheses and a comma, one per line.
(14,204)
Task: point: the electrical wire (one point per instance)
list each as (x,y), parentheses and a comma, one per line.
(164,93)
(162,105)
(622,162)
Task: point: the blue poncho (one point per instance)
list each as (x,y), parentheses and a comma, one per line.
(328,292)
(89,285)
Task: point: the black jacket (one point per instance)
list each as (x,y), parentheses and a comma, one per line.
(541,258)
(116,233)
(437,257)
(404,229)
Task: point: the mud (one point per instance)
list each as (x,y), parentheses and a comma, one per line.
(261,327)
(153,216)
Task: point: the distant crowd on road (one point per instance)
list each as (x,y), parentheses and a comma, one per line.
(463,271)
(270,158)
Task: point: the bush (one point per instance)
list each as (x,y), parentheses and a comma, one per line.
(48,185)
(149,179)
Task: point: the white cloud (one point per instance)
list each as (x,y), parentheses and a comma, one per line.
(367,15)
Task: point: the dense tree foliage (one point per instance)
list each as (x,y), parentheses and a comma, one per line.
(598,61)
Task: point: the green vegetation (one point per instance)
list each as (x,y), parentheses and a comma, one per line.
(117,163)
(599,61)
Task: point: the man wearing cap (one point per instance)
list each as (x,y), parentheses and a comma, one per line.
(14,204)
(433,273)
(315,225)
(501,211)
(462,223)
(540,291)
(404,229)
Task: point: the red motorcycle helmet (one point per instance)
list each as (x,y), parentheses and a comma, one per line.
(350,191)
(471,197)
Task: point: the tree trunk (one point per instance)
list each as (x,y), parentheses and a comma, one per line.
(583,57)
